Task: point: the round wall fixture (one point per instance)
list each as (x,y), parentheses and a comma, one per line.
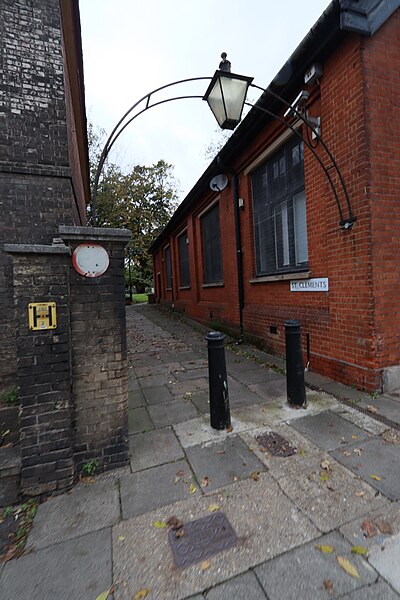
(90,260)
(219,183)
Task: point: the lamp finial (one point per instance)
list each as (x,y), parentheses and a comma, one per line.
(224,65)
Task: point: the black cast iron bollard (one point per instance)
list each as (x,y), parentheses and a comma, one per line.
(220,417)
(296,391)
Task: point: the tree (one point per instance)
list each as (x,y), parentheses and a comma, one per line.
(141,199)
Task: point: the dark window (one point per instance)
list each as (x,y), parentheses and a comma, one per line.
(184,260)
(211,238)
(279,207)
(168,267)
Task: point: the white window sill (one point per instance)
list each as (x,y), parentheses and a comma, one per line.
(282,277)
(216,284)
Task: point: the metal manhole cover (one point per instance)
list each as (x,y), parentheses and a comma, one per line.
(200,539)
(275,444)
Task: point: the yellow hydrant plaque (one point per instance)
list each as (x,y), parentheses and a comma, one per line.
(42,315)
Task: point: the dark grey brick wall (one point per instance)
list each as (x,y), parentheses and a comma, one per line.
(44,373)
(99,353)
(35,187)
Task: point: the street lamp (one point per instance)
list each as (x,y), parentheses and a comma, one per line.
(226,95)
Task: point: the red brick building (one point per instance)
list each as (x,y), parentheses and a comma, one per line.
(289,253)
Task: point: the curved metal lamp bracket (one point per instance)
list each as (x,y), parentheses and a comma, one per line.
(344,222)
(147,100)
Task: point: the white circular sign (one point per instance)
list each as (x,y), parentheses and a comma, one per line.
(90,260)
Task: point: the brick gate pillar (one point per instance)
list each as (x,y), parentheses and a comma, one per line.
(99,352)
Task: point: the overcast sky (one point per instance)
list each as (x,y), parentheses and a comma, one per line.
(132,47)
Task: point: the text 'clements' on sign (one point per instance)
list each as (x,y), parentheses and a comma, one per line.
(320,284)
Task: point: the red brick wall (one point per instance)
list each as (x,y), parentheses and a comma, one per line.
(353,329)
(381,63)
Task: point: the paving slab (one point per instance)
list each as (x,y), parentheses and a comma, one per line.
(88,507)
(266,522)
(240,395)
(187,374)
(271,390)
(157,394)
(382,523)
(169,413)
(244,586)
(223,463)
(385,559)
(146,490)
(201,400)
(301,572)
(378,462)
(377,591)
(188,387)
(139,420)
(136,399)
(329,430)
(79,568)
(262,376)
(360,419)
(133,383)
(160,368)
(154,448)
(307,455)
(239,364)
(153,380)
(330,498)
(196,363)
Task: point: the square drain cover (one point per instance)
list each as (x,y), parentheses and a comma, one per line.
(275,444)
(200,539)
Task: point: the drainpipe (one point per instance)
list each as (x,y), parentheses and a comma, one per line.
(239,253)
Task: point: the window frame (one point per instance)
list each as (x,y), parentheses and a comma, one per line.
(277,187)
(168,267)
(213,274)
(184,285)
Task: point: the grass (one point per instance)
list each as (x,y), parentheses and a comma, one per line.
(10,397)
(24,515)
(137,298)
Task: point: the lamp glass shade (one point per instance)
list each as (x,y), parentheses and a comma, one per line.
(226,95)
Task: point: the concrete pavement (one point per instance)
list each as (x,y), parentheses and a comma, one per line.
(297,503)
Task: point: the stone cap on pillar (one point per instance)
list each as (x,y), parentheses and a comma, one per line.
(98,234)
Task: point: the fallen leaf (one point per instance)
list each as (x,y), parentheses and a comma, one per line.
(368,527)
(354,437)
(5,433)
(357,451)
(188,394)
(347,566)
(255,475)
(229,429)
(325,549)
(192,488)
(141,594)
(213,508)
(360,494)
(346,453)
(326,465)
(220,451)
(371,408)
(179,533)
(174,523)
(160,524)
(180,473)
(235,478)
(103,595)
(121,538)
(206,564)
(328,585)
(88,480)
(384,526)
(359,550)
(323,477)
(205,481)
(376,477)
